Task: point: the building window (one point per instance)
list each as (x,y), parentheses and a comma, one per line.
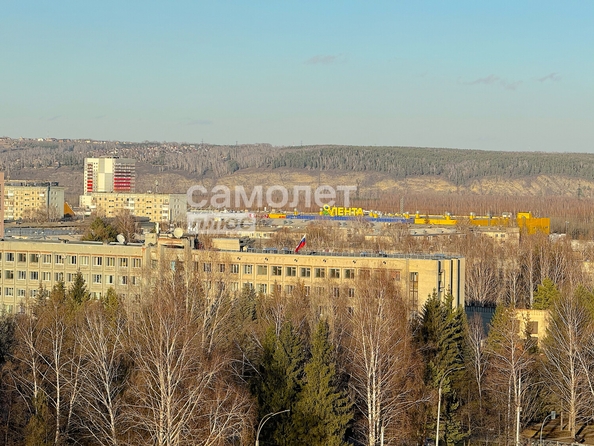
(207,267)
(136,263)
(365,274)
(109,279)
(70,277)
(305,272)
(110,261)
(34,275)
(221,267)
(22,275)
(291,271)
(277,270)
(22,257)
(349,273)
(262,270)
(234,286)
(247,269)
(59,259)
(47,259)
(532,327)
(84,260)
(351,292)
(21,292)
(262,288)
(248,285)
(34,258)
(320,290)
(59,277)
(9,256)
(96,278)
(336,292)
(47,276)
(334,273)
(123,262)
(9,274)
(319,273)
(123,280)
(307,290)
(97,261)
(394,274)
(289,289)
(72,260)
(9,291)
(33,293)
(234,268)
(135,280)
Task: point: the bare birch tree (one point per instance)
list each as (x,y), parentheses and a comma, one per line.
(103,378)
(568,331)
(181,393)
(382,365)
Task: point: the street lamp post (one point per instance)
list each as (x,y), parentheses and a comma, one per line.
(263,421)
(439,401)
(553,415)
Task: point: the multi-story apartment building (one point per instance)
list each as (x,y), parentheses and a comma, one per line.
(38,200)
(157,207)
(2,205)
(24,264)
(109,174)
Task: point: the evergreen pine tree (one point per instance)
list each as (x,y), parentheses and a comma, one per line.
(78,292)
(58,293)
(545,295)
(323,411)
(281,371)
(441,337)
(38,430)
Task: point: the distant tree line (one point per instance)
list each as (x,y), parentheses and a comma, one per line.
(457,166)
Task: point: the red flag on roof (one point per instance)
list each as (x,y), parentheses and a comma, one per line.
(300,245)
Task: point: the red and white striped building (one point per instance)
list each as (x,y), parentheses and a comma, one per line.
(109,175)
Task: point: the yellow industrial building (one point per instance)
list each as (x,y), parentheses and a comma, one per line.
(25,264)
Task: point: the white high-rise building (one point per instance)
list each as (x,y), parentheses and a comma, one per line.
(107,174)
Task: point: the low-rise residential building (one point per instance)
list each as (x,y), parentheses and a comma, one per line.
(33,200)
(170,208)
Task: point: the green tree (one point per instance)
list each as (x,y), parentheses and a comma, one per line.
(545,295)
(78,292)
(100,231)
(38,431)
(7,326)
(441,337)
(112,304)
(280,380)
(58,293)
(323,411)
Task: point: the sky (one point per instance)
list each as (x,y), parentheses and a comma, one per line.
(504,75)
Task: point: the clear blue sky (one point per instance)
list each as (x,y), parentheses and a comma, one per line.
(501,75)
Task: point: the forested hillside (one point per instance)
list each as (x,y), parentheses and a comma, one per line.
(454,165)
